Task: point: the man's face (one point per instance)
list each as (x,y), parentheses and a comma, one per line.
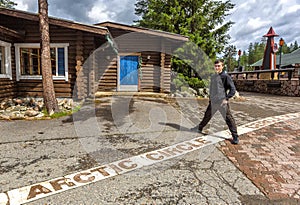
(218,67)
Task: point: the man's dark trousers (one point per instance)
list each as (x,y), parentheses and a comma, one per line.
(225,112)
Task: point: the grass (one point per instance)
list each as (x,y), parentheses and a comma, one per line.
(61,113)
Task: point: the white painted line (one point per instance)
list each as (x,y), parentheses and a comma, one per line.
(40,190)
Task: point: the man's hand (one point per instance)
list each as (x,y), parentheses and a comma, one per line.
(224,103)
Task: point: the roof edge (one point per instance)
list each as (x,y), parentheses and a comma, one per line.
(54,21)
(143,30)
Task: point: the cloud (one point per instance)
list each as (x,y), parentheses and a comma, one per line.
(256,23)
(114,10)
(75,10)
(252,18)
(87,11)
(21,5)
(99,13)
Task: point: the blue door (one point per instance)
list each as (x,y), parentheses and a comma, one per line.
(128,74)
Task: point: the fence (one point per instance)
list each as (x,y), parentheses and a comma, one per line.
(278,82)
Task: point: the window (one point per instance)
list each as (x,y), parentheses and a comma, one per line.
(28,61)
(5,58)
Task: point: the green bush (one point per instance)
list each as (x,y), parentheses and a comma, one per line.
(179,81)
(184,89)
(184,81)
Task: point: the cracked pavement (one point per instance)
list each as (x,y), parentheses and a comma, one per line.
(35,151)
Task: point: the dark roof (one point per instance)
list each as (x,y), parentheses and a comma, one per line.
(100,28)
(286,59)
(54,21)
(143,30)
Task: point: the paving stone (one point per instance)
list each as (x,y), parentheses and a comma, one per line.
(270,170)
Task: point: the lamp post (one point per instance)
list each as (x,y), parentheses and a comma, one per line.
(239,53)
(281,42)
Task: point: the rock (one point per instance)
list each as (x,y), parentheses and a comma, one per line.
(23,108)
(191,90)
(3,105)
(16,108)
(63,102)
(31,113)
(9,109)
(30,108)
(203,92)
(4,117)
(51,112)
(40,115)
(67,107)
(32,102)
(18,101)
(177,94)
(17,116)
(187,94)
(37,108)
(70,102)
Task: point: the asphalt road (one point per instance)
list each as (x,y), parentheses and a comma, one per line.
(89,158)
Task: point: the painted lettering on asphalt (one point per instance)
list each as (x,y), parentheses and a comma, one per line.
(47,188)
(54,186)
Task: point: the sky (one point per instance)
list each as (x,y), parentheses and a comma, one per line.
(252,18)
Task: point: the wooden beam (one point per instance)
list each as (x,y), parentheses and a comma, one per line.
(144,30)
(11,33)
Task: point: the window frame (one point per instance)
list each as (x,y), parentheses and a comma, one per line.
(37,45)
(7,58)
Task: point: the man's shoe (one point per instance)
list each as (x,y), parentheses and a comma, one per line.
(235,140)
(196,129)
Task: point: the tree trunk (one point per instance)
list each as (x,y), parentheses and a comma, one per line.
(48,86)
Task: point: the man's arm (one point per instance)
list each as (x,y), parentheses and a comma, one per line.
(230,86)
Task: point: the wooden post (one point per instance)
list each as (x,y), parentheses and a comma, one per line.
(92,77)
(290,73)
(162,71)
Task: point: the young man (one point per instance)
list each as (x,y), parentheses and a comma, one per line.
(221,90)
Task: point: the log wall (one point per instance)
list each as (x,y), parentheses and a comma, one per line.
(8,86)
(81,45)
(155,73)
(89,71)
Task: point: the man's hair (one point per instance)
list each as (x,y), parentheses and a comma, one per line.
(219,61)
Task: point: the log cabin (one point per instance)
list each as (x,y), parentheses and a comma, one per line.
(84,58)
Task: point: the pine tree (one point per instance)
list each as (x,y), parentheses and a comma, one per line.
(244,61)
(251,59)
(229,54)
(258,52)
(48,87)
(202,21)
(295,46)
(7,4)
(286,48)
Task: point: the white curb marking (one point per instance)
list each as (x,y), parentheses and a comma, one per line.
(40,190)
